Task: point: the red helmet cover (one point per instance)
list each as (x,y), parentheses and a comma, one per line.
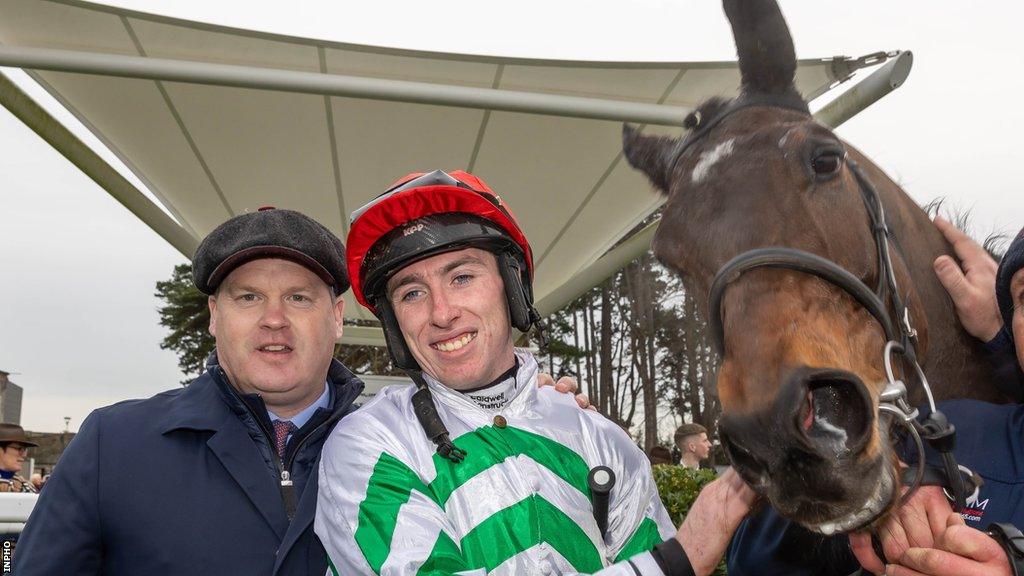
(408,205)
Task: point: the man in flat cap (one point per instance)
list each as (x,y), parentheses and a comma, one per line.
(219,477)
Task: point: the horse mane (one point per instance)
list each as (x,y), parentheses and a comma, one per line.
(994,242)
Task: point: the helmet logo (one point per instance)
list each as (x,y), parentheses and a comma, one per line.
(412,229)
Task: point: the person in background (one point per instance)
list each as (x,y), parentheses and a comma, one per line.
(659,455)
(692,441)
(925,537)
(14,445)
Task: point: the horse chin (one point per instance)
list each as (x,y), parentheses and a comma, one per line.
(876,506)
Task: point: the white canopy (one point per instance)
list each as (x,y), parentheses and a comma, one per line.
(219,121)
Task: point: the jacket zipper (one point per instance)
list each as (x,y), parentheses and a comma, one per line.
(285,483)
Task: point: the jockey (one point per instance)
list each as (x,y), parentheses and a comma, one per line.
(475,470)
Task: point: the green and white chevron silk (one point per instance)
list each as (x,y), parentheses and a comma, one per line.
(518,504)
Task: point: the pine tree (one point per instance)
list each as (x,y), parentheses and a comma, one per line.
(188,318)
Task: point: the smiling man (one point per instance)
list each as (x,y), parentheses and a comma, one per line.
(218,477)
(476,470)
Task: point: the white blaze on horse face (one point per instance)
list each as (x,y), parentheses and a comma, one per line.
(709,159)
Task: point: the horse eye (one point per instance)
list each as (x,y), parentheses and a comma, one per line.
(826,163)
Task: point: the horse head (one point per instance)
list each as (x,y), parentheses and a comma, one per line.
(802,359)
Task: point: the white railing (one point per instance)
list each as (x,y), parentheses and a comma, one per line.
(14,511)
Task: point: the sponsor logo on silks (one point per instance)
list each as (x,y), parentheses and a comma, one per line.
(975,510)
(412,229)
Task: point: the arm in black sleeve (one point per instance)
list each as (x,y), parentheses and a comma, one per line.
(766,544)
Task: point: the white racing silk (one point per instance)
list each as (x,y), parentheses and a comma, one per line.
(518,504)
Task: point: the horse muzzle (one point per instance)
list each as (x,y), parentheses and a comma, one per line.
(816,452)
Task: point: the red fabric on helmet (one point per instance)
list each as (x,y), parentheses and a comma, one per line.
(408,205)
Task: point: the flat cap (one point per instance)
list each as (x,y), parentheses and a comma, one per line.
(1012,262)
(270,233)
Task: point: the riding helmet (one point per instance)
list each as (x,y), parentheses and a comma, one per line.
(426,214)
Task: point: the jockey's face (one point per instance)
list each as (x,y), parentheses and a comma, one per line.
(452,312)
(1017,294)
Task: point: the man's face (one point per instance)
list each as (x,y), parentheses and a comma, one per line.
(276,323)
(1017,294)
(452,312)
(13,456)
(699,445)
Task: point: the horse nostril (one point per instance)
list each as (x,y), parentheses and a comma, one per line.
(836,415)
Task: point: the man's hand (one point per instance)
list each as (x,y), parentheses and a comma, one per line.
(959,551)
(565,385)
(973,289)
(712,519)
(915,524)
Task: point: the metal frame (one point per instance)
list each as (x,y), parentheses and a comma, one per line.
(338,85)
(876,85)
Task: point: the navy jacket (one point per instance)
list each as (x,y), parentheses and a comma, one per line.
(183,483)
(989,441)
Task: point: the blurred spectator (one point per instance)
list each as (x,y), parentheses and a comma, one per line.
(14,445)
(659,455)
(37,481)
(692,441)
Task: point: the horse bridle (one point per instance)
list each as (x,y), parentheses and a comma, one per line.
(900,335)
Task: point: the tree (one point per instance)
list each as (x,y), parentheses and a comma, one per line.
(637,344)
(187,316)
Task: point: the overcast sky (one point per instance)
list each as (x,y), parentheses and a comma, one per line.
(78,326)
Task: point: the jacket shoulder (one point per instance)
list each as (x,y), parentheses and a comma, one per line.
(139,407)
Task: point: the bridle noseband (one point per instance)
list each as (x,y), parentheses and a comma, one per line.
(900,335)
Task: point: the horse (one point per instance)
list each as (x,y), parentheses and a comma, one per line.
(803,352)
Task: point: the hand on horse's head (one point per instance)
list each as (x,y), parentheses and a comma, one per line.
(972,287)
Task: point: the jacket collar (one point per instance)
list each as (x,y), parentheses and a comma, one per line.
(203,405)
(200,406)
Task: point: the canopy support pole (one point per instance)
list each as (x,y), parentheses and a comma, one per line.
(89,162)
(119,65)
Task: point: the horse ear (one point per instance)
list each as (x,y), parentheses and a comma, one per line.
(652,155)
(763,44)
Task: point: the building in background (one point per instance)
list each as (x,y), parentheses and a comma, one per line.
(51,446)
(10,400)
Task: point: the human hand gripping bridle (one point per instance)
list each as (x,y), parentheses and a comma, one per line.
(900,335)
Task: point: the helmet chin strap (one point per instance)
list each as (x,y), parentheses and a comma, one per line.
(422,401)
(522,315)
(430,420)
